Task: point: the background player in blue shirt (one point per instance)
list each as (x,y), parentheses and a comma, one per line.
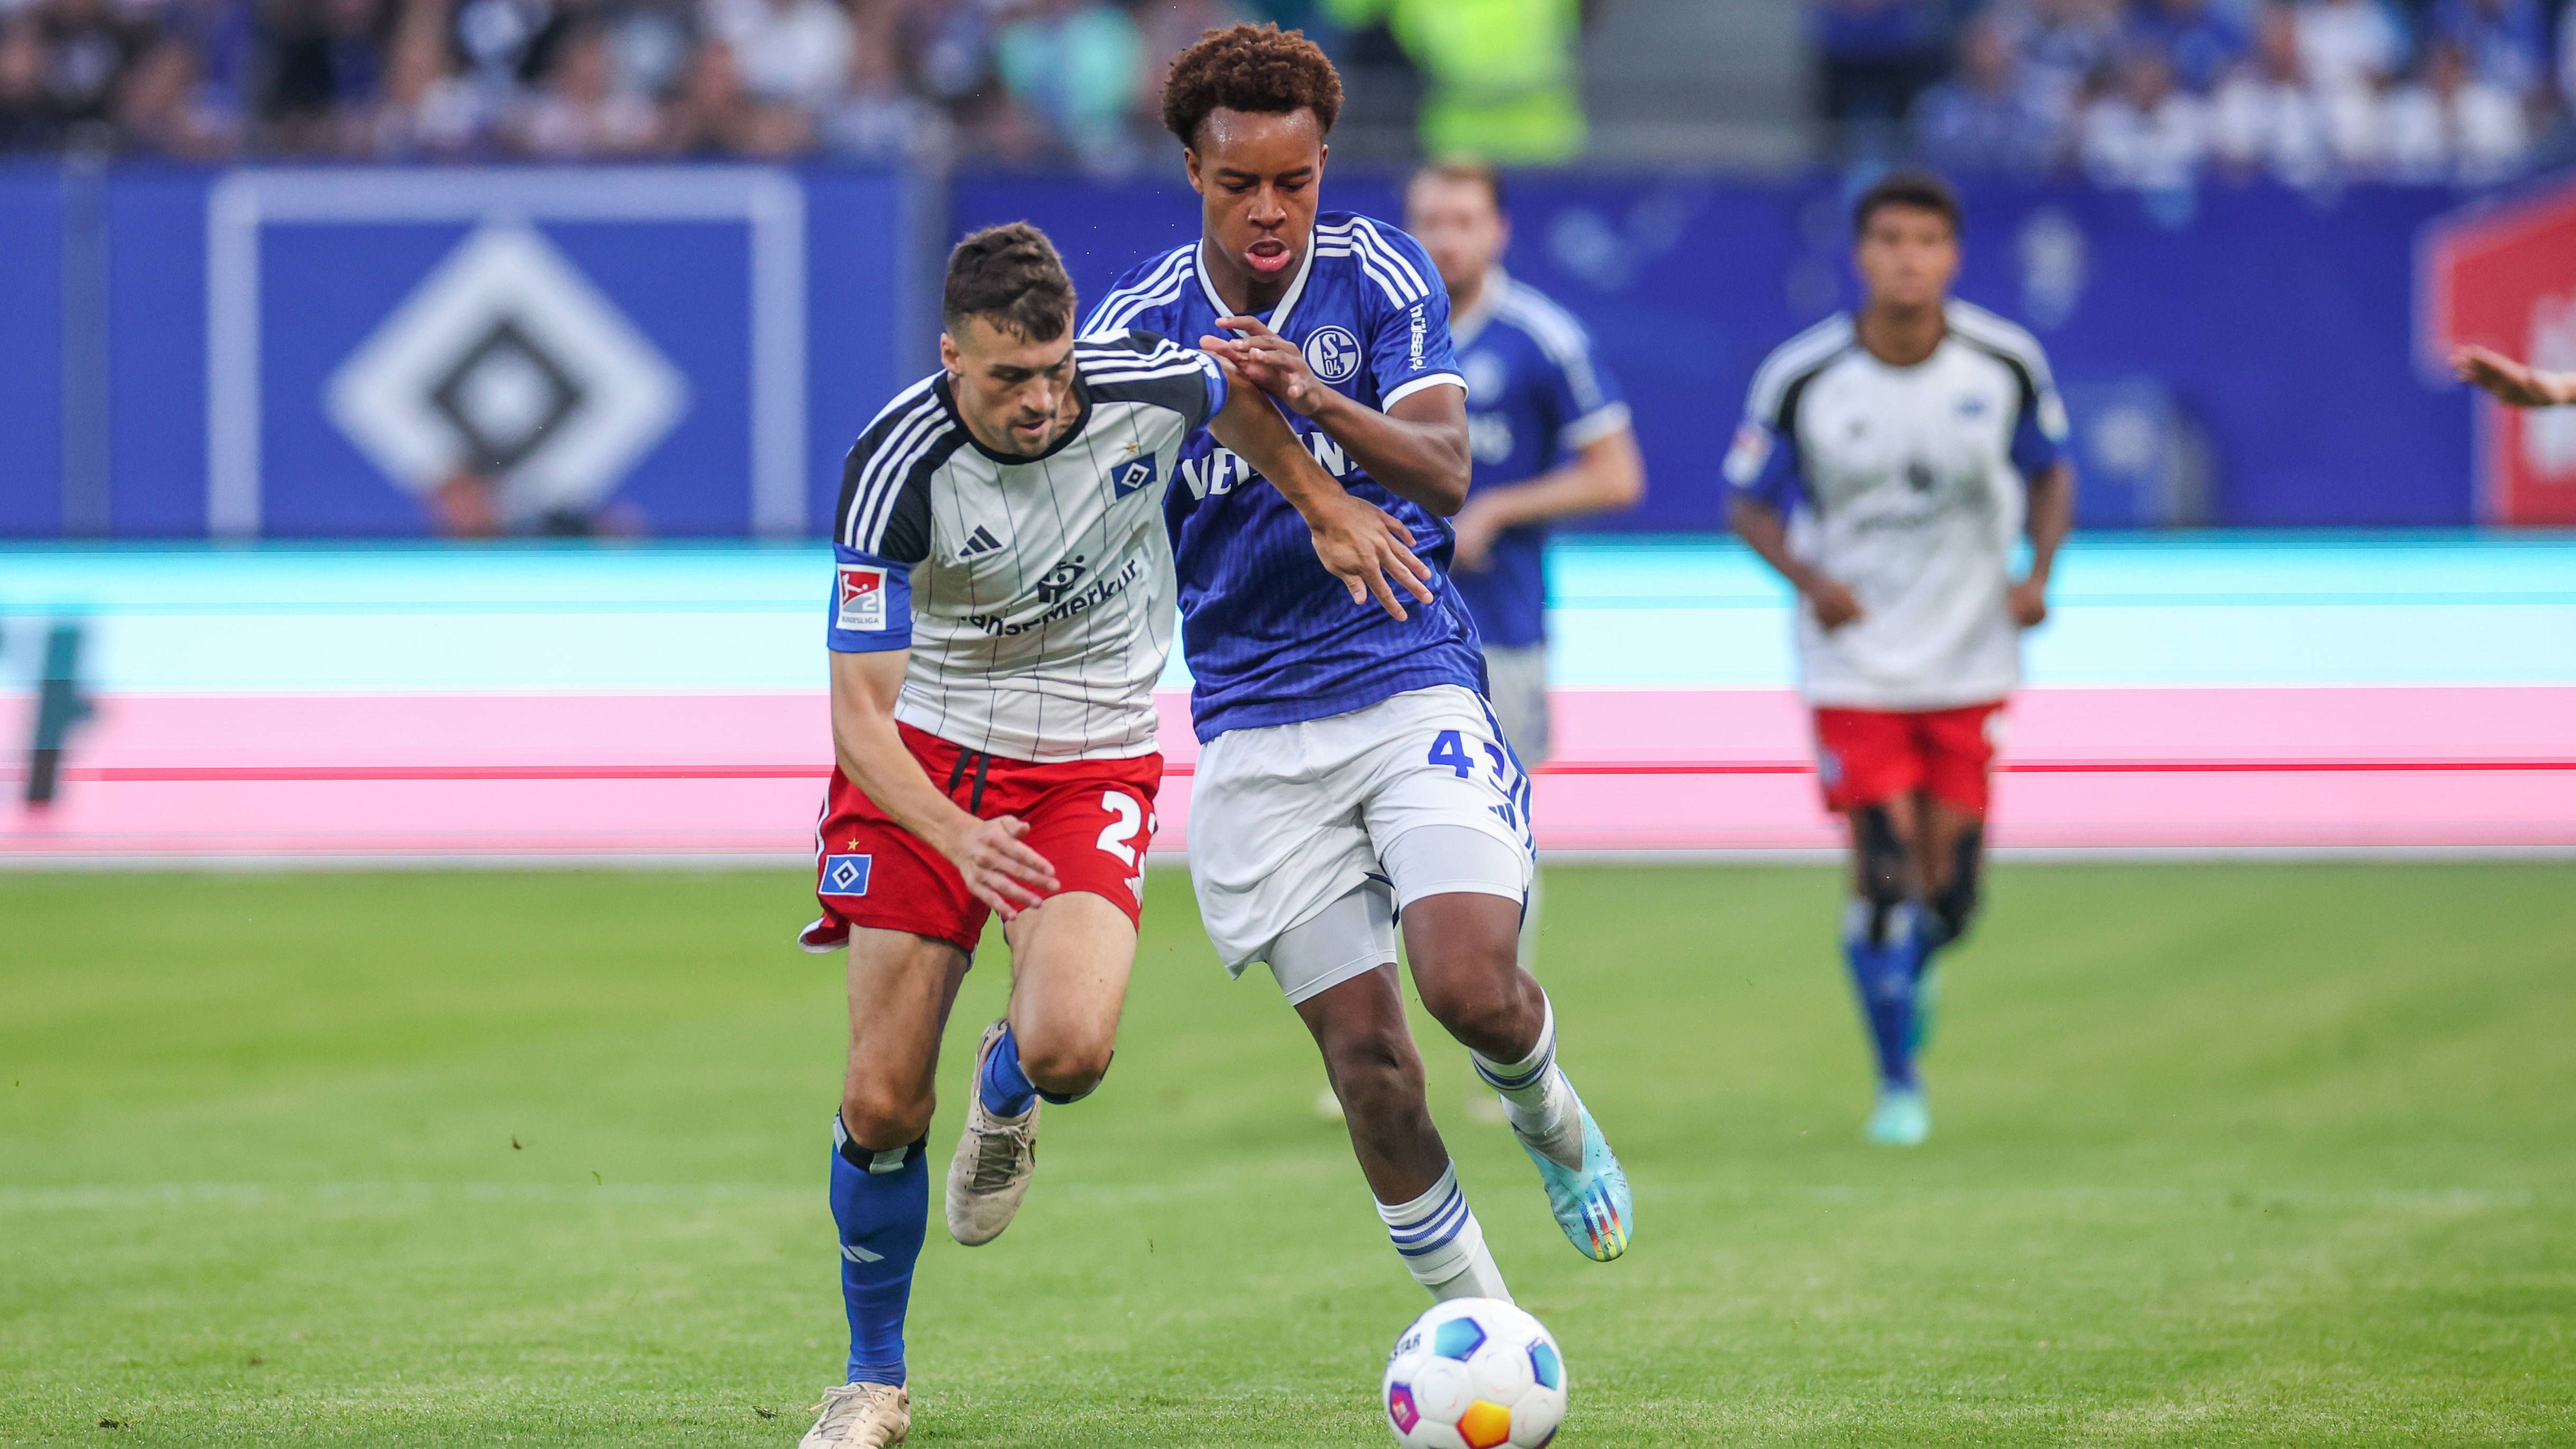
(1545,423)
(1351,768)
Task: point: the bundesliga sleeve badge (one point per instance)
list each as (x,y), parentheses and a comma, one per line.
(863,598)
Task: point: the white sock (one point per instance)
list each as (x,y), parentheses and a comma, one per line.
(1535,1094)
(1442,1245)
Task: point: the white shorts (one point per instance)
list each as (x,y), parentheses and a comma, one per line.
(1287,820)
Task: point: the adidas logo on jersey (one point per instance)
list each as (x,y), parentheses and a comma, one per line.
(980,543)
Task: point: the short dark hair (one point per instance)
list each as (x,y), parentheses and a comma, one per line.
(1011,276)
(1256,68)
(1907,186)
(1467,172)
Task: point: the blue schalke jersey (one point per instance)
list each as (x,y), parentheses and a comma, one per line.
(1535,397)
(1271,637)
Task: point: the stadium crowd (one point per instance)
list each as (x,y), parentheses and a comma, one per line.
(2155,94)
(1017,81)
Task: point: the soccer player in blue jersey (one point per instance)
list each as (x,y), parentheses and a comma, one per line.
(1545,421)
(1351,768)
(1888,461)
(1548,429)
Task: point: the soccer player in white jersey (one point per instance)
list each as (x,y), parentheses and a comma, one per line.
(1887,464)
(1002,607)
(1351,767)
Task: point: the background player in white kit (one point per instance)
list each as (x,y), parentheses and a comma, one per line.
(1887,462)
(1001,610)
(1351,768)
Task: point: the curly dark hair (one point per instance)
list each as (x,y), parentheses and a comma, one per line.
(1256,68)
(1011,276)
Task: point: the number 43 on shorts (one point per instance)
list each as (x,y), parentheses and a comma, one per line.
(1449,748)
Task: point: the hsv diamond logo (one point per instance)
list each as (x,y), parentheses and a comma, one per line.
(846,875)
(1134,476)
(507,361)
(862,598)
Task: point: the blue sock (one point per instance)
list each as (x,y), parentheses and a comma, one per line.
(1883,973)
(881,1202)
(1007,1090)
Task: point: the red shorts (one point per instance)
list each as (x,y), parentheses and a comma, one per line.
(1091,819)
(1871,756)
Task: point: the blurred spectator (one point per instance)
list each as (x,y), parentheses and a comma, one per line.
(429,111)
(2195,40)
(86,46)
(2506,42)
(1877,56)
(2264,117)
(1986,117)
(713,114)
(326,69)
(27,119)
(580,114)
(161,107)
(874,117)
(2452,124)
(2063,45)
(1505,79)
(2348,46)
(1075,65)
(794,52)
(2147,134)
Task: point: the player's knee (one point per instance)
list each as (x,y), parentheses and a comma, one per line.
(1066,1065)
(1484,1006)
(1954,905)
(1882,858)
(881,1118)
(1374,1071)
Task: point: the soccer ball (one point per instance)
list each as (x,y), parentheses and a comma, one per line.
(1474,1373)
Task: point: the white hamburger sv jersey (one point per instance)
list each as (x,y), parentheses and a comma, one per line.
(1907,485)
(1036,594)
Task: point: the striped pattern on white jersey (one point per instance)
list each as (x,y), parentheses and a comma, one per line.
(1800,356)
(1043,593)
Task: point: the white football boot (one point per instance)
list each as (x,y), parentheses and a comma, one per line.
(996,1157)
(860,1416)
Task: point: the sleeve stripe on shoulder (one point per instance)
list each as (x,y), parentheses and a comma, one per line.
(1364,229)
(872,502)
(1144,374)
(1807,352)
(1161,283)
(1384,264)
(1996,334)
(1549,325)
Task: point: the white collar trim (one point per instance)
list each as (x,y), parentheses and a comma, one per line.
(1277,321)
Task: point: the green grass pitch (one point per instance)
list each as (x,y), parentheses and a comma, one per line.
(2227,1154)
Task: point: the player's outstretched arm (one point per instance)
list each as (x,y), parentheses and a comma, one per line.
(1359,543)
(999,867)
(1417,449)
(2052,516)
(1761,526)
(1604,474)
(2511,382)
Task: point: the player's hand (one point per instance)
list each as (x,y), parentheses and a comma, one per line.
(1835,605)
(1274,364)
(2028,602)
(1477,527)
(2509,381)
(999,866)
(1364,546)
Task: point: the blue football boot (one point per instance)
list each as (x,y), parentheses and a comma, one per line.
(1592,1204)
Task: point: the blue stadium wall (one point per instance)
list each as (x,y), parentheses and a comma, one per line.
(2257,344)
